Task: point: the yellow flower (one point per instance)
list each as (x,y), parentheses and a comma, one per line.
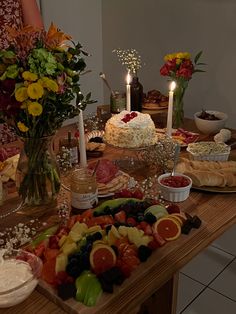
(186,55)
(21,94)
(168,57)
(22,127)
(50,84)
(35,108)
(35,91)
(25,104)
(29,76)
(178,61)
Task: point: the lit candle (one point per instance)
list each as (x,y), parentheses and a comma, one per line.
(128,96)
(170,109)
(82,147)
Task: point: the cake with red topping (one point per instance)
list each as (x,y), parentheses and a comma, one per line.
(130,130)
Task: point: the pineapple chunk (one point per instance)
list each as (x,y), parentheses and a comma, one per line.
(62,240)
(75,236)
(61,262)
(93,229)
(123,231)
(69,248)
(80,228)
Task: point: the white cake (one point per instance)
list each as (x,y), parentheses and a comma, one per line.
(130,130)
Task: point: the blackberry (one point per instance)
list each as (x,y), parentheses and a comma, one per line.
(66,291)
(150,218)
(143,253)
(97,236)
(108,228)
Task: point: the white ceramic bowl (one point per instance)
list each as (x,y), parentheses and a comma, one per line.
(210,126)
(210,151)
(19,276)
(172,194)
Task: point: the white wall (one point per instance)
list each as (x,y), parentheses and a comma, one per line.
(82,20)
(157,27)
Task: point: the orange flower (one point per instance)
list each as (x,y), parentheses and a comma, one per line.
(55,37)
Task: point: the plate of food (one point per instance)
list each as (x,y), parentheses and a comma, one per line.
(183,137)
(210,176)
(110,178)
(155,100)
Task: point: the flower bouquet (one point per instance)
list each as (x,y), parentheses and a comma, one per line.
(180,68)
(39,78)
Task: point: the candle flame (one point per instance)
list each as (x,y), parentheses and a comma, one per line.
(172,86)
(128,78)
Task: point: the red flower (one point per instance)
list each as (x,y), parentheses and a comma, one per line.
(171,64)
(185,73)
(165,70)
(168,67)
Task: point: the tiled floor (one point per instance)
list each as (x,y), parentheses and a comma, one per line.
(208,283)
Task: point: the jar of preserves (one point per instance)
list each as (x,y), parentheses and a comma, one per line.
(117,102)
(84,191)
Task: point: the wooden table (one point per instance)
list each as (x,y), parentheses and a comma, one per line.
(156,279)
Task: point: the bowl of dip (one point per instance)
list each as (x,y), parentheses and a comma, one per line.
(19,273)
(209,150)
(174,188)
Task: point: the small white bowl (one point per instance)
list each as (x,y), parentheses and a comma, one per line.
(25,269)
(174,194)
(210,151)
(210,126)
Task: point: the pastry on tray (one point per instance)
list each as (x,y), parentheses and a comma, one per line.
(155,100)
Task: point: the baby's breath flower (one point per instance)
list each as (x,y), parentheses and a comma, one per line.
(129,58)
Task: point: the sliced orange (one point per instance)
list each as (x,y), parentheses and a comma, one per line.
(180,216)
(177,219)
(168,228)
(102,258)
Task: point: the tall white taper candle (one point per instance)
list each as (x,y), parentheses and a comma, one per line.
(82,147)
(170,109)
(128,95)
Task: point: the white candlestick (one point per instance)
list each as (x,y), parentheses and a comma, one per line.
(82,147)
(170,109)
(128,95)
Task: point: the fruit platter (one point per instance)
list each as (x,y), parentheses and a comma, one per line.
(93,253)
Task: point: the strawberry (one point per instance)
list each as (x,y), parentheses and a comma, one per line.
(53,242)
(148,230)
(131,221)
(138,194)
(143,225)
(120,216)
(124,193)
(173,208)
(159,239)
(153,245)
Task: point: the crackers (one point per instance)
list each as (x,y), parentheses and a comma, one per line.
(120,181)
(92,146)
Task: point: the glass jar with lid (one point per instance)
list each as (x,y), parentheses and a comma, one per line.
(84,191)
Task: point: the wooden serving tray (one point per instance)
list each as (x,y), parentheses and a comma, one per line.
(140,279)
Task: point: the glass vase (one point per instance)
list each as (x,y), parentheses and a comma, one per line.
(178,115)
(37,174)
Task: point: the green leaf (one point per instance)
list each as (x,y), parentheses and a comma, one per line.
(201,63)
(197,56)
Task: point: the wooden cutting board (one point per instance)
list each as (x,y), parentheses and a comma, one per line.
(140,278)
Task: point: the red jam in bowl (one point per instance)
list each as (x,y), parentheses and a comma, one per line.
(175,181)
